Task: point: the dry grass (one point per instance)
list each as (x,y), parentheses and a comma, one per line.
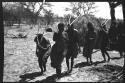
(20,59)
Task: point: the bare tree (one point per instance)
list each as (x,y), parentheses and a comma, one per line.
(112,6)
(68,18)
(48,17)
(36,12)
(123,7)
(4,4)
(81,8)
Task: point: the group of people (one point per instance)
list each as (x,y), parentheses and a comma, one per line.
(67,45)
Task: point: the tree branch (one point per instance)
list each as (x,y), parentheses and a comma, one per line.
(113,4)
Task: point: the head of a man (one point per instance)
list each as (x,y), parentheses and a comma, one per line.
(70,27)
(61,27)
(90,26)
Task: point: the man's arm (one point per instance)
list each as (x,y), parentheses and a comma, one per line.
(78,40)
(66,34)
(48,43)
(55,37)
(104,30)
(35,39)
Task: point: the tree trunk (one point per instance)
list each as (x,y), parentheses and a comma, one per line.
(112,12)
(123,7)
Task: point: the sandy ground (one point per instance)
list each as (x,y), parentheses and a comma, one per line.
(20,64)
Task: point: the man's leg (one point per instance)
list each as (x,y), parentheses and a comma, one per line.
(67,62)
(40,64)
(58,71)
(102,51)
(107,55)
(90,59)
(72,62)
(87,59)
(121,53)
(44,65)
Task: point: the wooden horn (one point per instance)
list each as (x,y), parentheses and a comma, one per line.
(74,20)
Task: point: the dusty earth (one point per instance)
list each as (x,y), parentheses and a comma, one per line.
(20,64)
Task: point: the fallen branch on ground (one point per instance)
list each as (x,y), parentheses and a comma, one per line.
(20,35)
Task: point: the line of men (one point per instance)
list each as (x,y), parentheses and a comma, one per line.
(70,39)
(67,44)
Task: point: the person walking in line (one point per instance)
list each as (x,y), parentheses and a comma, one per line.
(104,42)
(59,49)
(89,42)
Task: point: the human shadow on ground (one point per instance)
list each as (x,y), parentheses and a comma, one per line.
(54,77)
(116,58)
(98,62)
(113,70)
(83,64)
(29,76)
(108,72)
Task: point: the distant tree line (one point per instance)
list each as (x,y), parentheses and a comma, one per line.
(19,12)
